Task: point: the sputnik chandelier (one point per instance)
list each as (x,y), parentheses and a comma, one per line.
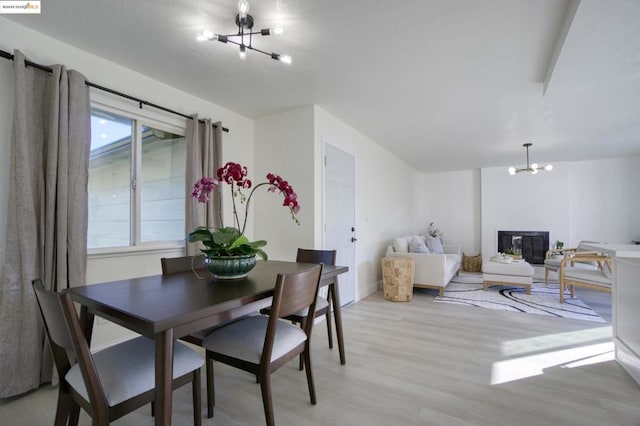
(533,168)
(244,36)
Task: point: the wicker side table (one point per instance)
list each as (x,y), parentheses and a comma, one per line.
(397,278)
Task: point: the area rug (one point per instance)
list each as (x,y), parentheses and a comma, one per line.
(543,300)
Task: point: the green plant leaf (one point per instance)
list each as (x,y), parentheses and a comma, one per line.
(240,241)
(225,236)
(257,244)
(262,254)
(199,234)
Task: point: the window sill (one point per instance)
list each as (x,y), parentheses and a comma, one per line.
(146,249)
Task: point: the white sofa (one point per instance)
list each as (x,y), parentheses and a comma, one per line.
(431,270)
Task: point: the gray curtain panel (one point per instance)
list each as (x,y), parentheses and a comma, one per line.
(47,213)
(204,144)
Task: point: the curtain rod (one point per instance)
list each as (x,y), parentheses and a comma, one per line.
(140,102)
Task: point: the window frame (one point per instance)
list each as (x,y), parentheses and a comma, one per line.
(141,117)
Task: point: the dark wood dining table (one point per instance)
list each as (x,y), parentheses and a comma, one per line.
(167,307)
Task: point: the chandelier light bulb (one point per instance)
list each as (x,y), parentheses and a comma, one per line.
(243,8)
(243,52)
(277,30)
(206,35)
(512,170)
(548,167)
(534,166)
(286,59)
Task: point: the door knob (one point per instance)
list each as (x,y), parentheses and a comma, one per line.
(353,240)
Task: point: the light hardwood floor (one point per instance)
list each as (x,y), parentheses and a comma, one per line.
(423,363)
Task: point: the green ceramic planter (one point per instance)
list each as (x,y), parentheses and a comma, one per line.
(230,267)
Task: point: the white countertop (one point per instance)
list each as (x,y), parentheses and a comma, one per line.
(615,250)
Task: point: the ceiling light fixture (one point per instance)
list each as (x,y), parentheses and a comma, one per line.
(245,34)
(533,168)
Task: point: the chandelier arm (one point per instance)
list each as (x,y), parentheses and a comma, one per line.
(235,42)
(240,35)
(261,51)
(253,48)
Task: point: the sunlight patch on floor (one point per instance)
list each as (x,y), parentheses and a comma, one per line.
(554,341)
(532,356)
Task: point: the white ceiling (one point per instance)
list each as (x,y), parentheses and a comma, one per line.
(444,84)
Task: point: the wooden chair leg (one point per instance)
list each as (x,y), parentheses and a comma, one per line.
(197,404)
(74,414)
(63,409)
(307,367)
(300,361)
(211,394)
(265,387)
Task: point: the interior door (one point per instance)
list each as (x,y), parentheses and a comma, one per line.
(339,214)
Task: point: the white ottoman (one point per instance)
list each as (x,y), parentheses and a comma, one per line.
(516,273)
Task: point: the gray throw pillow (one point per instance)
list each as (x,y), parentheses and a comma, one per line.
(434,245)
(417,245)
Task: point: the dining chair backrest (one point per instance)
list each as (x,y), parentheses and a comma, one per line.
(53,318)
(292,293)
(295,291)
(173,265)
(326,257)
(66,337)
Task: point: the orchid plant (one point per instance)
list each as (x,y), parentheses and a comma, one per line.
(231,241)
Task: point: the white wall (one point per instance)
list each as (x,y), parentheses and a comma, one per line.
(388,194)
(451,201)
(284,146)
(237,145)
(604,200)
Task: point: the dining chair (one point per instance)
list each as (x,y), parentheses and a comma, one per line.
(262,344)
(114,381)
(174,265)
(325,257)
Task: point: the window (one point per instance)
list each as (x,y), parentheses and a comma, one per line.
(136,180)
